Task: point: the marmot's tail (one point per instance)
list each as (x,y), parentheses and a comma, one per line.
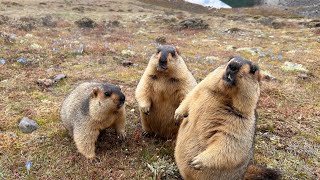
(255,172)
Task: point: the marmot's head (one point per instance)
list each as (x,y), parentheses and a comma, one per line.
(166,58)
(241,77)
(240,71)
(105,98)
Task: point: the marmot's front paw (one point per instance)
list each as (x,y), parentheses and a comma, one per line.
(145,110)
(196,163)
(89,155)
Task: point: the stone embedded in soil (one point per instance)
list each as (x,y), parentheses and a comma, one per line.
(303,76)
(3,19)
(211,59)
(86,23)
(27,125)
(268,76)
(195,23)
(114,23)
(289,66)
(48,21)
(126,63)
(161,40)
(233,30)
(312,24)
(59,77)
(128,53)
(45,82)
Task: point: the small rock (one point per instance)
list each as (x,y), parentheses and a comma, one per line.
(28,35)
(27,125)
(45,82)
(161,40)
(128,53)
(21,60)
(289,66)
(3,19)
(114,23)
(48,21)
(2,61)
(59,77)
(231,48)
(303,76)
(268,76)
(86,23)
(119,59)
(312,24)
(233,30)
(35,46)
(126,63)
(211,59)
(252,51)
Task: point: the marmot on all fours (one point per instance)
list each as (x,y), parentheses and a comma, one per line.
(162,87)
(89,108)
(216,136)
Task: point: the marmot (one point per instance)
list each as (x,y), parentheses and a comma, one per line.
(162,87)
(89,108)
(216,136)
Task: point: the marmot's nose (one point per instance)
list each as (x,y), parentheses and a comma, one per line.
(122,99)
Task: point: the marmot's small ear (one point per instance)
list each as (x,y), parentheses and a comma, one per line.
(177,50)
(159,49)
(95,92)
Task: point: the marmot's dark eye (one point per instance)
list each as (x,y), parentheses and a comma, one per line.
(108,94)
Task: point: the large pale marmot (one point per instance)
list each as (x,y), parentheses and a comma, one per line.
(162,87)
(216,136)
(89,108)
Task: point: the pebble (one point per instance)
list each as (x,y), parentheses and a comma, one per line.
(128,53)
(21,60)
(27,125)
(59,77)
(2,61)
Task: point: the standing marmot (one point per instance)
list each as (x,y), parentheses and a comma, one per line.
(215,140)
(164,84)
(89,108)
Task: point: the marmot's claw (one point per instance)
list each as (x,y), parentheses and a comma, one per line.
(94,160)
(177,122)
(196,164)
(145,110)
(122,136)
(147,134)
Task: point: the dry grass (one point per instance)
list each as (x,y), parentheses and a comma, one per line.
(289,110)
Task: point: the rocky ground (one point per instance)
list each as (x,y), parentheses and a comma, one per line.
(46,47)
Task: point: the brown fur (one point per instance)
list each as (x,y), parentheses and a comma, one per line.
(87,110)
(160,92)
(215,139)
